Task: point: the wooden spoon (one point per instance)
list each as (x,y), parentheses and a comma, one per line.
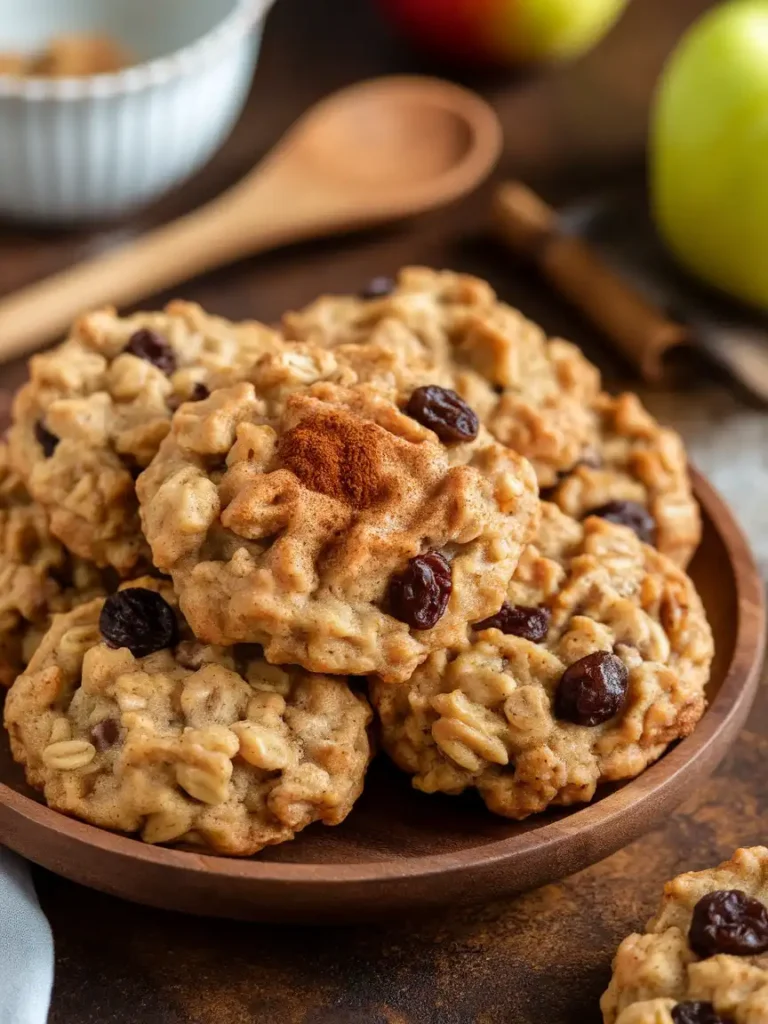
(377,151)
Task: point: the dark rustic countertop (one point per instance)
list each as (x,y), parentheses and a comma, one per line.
(543,958)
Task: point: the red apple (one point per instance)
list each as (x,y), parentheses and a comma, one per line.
(513,31)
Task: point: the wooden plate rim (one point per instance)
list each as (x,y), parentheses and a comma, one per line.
(738,688)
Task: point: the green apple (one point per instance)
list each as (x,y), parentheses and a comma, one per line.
(556,29)
(709,150)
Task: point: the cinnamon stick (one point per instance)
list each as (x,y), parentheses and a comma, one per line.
(639,329)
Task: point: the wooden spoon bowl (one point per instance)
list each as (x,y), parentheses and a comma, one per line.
(399,849)
(403,137)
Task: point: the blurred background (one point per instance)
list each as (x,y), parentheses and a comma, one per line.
(568,131)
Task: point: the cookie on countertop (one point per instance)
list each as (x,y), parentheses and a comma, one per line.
(703,959)
(338,532)
(540,396)
(97,407)
(38,576)
(596,662)
(125,720)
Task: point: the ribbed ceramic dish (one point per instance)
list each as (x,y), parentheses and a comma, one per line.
(400,850)
(85,148)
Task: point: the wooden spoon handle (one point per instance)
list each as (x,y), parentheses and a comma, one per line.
(639,329)
(208,238)
(41,312)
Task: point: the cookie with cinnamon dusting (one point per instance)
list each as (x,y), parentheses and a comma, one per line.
(536,394)
(530,391)
(305,526)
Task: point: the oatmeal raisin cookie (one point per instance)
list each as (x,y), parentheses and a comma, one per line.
(340,533)
(539,396)
(125,720)
(529,391)
(38,576)
(635,462)
(703,959)
(596,662)
(97,407)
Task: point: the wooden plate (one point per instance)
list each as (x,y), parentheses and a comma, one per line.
(400,849)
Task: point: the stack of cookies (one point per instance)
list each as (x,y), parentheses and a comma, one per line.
(223,545)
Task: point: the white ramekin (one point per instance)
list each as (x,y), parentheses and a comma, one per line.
(74,149)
